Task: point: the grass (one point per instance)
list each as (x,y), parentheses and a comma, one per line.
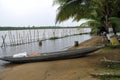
(110,47)
(111,71)
(114,69)
(103,78)
(110,68)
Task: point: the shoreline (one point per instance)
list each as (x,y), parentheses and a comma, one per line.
(69,69)
(15,69)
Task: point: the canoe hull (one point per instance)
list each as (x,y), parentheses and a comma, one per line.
(53,55)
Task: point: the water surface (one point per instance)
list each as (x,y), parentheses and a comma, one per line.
(47,46)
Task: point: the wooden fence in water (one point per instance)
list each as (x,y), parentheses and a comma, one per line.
(18,37)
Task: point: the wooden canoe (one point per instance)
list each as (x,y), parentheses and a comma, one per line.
(53,55)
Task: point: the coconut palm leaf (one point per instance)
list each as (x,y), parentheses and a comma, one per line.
(91,23)
(60,2)
(115,20)
(99,11)
(76,9)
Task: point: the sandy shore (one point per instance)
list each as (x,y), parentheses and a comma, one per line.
(70,69)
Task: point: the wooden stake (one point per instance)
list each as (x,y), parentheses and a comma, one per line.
(76,43)
(9,37)
(3,38)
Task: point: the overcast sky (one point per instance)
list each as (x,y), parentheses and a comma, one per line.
(29,12)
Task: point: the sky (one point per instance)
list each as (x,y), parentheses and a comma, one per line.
(30,13)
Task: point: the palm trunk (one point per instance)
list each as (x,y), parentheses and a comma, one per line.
(107,15)
(108,25)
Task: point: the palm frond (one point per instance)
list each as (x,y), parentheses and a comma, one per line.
(115,21)
(74,9)
(60,2)
(91,23)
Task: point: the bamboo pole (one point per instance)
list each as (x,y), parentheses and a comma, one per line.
(37,35)
(20,42)
(17,37)
(34,35)
(30,36)
(14,40)
(43,35)
(53,32)
(9,36)
(24,37)
(63,33)
(4,43)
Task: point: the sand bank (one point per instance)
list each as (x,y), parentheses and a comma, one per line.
(70,69)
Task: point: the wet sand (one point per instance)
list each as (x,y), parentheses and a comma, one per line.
(70,69)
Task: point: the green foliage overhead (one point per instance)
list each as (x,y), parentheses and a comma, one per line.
(76,9)
(116,22)
(99,11)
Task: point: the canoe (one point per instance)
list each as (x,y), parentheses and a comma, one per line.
(53,55)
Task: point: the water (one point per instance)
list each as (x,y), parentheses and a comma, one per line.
(25,36)
(47,46)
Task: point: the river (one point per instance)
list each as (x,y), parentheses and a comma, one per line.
(47,45)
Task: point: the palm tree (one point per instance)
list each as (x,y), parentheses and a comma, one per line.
(96,10)
(77,9)
(99,12)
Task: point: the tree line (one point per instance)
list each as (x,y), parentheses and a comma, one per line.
(33,27)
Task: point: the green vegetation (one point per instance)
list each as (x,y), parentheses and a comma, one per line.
(109,65)
(110,78)
(98,13)
(110,47)
(53,38)
(113,69)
